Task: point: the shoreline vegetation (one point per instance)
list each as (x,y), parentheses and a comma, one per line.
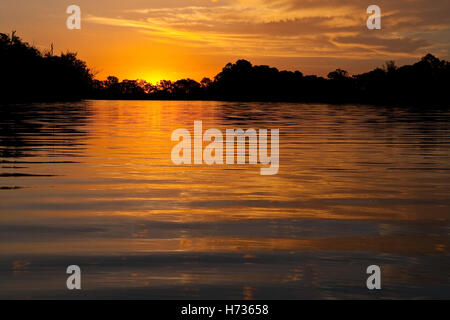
(29,75)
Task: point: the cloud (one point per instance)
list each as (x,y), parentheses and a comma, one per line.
(294,28)
(384,44)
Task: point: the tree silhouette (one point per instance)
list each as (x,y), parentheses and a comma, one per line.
(338,75)
(29,75)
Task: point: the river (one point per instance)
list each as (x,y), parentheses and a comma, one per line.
(92,184)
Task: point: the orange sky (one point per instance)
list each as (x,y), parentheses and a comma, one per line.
(173,39)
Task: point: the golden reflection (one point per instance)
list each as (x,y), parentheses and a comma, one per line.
(348,184)
(393,244)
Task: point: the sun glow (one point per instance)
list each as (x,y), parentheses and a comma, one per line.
(155,77)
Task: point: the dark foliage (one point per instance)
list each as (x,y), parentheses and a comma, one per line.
(423,83)
(26,74)
(29,75)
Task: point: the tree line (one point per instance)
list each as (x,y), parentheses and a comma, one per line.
(27,74)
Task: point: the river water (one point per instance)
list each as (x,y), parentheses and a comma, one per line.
(93,184)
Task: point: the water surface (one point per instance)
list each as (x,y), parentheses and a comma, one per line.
(92,184)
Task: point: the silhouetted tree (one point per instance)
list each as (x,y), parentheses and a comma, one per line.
(205,83)
(390,66)
(338,75)
(29,75)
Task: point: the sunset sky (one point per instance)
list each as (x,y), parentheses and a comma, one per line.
(174,39)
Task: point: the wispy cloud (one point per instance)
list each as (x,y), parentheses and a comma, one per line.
(294,28)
